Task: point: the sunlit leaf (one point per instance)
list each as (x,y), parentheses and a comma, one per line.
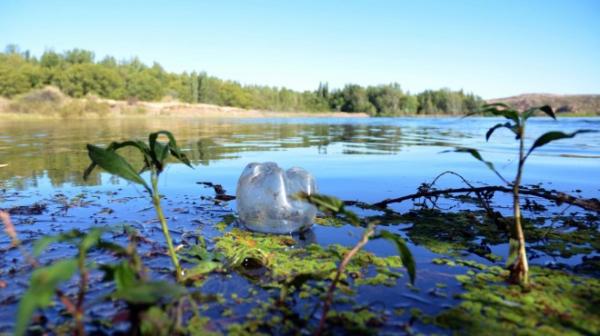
(141,146)
(42,286)
(553,136)
(407,258)
(115,164)
(324,202)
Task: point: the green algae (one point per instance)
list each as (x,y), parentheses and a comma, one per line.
(283,260)
(556,303)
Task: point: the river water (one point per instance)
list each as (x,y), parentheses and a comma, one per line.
(367,160)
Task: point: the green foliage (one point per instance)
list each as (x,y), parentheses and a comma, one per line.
(154,154)
(77,74)
(517,259)
(114,164)
(335,206)
(553,136)
(44,281)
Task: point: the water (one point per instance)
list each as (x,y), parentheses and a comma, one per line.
(354,159)
(364,159)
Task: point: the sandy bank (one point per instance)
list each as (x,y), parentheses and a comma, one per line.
(106,108)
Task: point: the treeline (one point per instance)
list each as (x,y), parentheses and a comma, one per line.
(77,74)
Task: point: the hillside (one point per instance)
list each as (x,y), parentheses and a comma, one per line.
(571,104)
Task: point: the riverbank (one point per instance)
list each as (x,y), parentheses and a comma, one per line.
(50,103)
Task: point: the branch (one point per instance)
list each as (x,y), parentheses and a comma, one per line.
(591,204)
(369,231)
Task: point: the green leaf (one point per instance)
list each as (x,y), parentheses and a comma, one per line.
(124,276)
(91,239)
(505,112)
(41,244)
(171,147)
(546,109)
(407,258)
(42,287)
(497,126)
(324,202)
(141,146)
(553,136)
(115,164)
(150,292)
(474,153)
(513,251)
(203,267)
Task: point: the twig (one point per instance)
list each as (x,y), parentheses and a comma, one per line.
(591,204)
(369,231)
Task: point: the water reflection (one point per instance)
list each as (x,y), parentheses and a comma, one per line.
(55,150)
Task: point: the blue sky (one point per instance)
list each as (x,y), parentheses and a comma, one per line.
(491,48)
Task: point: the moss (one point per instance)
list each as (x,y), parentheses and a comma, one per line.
(555,303)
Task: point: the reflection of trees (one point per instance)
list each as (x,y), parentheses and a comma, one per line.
(56,149)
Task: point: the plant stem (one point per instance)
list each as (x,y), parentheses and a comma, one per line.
(519,270)
(163,224)
(79,313)
(369,231)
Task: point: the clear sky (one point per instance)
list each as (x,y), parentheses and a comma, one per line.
(491,48)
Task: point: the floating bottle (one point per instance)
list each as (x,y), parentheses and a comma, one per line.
(266,198)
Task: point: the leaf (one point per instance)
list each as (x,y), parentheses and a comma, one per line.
(42,286)
(324,202)
(115,164)
(91,239)
(513,251)
(150,292)
(497,126)
(477,156)
(407,258)
(171,147)
(41,244)
(203,267)
(141,146)
(124,276)
(505,112)
(546,109)
(553,136)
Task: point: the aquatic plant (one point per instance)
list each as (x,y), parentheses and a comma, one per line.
(335,207)
(517,120)
(155,154)
(128,275)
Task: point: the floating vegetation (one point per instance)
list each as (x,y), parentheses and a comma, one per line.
(555,303)
(282,258)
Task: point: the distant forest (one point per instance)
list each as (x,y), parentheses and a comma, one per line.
(77,74)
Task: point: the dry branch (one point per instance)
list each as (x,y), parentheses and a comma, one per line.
(591,204)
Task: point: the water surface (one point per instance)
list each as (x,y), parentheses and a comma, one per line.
(355,159)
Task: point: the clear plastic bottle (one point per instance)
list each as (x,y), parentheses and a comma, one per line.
(266,202)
